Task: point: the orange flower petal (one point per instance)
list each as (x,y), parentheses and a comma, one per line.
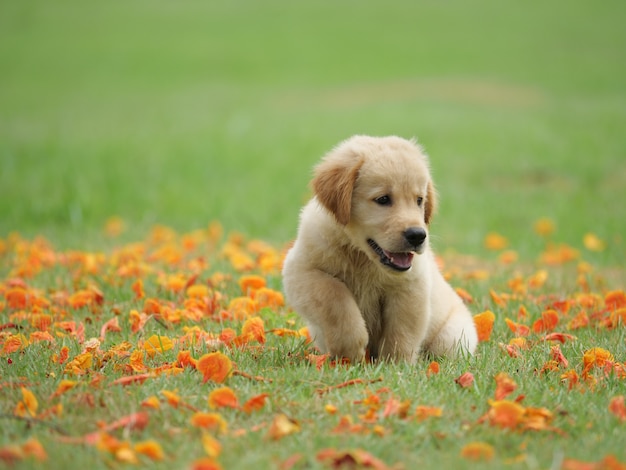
(571,378)
(16,297)
(465,380)
(151,402)
(557,355)
(227,336)
(544,227)
(111,325)
(615,299)
(423,412)
(254,329)
(498,299)
(172,398)
(581,320)
(28,405)
(223,397)
(34,448)
(597,357)
(133,379)
(268,298)
(484,324)
(433,368)
(495,241)
(517,328)
(548,321)
(478,451)
(505,414)
(137,288)
(197,291)
(215,366)
(213,421)
(14,343)
(505,385)
(150,449)
(205,464)
(133,421)
(593,243)
(240,308)
(157,344)
(211,446)
(607,463)
(255,403)
(64,386)
(184,359)
(250,283)
(282,426)
(617,406)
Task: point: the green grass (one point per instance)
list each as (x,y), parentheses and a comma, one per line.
(181,113)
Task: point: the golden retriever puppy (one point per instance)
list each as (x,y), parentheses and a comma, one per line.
(361,272)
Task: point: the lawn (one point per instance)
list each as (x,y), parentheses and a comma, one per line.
(154,157)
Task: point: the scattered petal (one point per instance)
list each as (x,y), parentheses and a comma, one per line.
(495,241)
(593,243)
(548,321)
(505,414)
(157,344)
(255,403)
(478,451)
(423,412)
(215,366)
(505,385)
(211,446)
(465,380)
(484,324)
(206,463)
(29,404)
(544,227)
(209,421)
(253,330)
(433,368)
(64,386)
(223,397)
(282,426)
(33,447)
(517,328)
(150,449)
(617,406)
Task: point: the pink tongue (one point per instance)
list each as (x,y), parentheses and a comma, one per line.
(402,260)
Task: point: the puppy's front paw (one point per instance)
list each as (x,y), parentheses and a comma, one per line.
(350,345)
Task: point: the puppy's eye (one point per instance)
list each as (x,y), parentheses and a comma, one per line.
(420,201)
(383,200)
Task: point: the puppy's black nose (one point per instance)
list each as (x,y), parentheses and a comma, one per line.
(415,236)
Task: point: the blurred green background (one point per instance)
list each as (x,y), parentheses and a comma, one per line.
(183,112)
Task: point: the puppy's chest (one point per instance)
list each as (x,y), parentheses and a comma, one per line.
(368,288)
(371,299)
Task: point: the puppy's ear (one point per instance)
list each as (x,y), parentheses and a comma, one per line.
(431,202)
(333,182)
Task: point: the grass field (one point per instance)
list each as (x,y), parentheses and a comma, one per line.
(168,116)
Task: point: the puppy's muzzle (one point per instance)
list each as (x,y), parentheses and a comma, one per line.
(415,237)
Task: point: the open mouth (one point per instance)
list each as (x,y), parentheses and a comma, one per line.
(399,261)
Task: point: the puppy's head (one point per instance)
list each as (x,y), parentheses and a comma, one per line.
(380,189)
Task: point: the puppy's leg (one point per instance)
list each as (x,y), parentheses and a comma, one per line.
(405,324)
(335,321)
(456,336)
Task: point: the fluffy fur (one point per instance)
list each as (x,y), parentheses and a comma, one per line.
(361,271)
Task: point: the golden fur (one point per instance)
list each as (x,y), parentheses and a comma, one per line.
(361,272)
